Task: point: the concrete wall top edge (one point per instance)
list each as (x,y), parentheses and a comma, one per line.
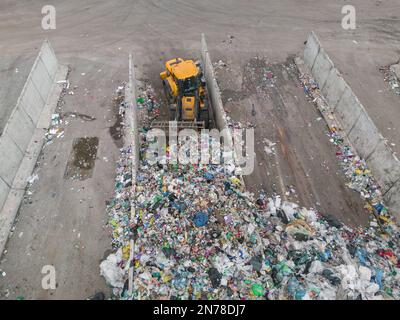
(313,37)
(45,46)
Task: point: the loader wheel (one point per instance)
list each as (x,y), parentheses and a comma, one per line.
(204,116)
(167,91)
(172,115)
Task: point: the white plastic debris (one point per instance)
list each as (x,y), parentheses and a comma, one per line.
(110,270)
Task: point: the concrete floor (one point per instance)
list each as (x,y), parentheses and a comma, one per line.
(93,35)
(299,155)
(14,71)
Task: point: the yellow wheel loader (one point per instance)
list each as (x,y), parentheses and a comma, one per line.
(186,93)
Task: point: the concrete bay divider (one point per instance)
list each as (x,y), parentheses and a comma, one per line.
(347,110)
(355,122)
(322,67)
(334,87)
(4,190)
(311,50)
(392,197)
(130,99)
(215,96)
(133,135)
(213,89)
(19,129)
(22,138)
(216,102)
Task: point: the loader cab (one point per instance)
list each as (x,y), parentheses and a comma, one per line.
(182,69)
(184,74)
(188,86)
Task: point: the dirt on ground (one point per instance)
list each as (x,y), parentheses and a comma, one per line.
(294,157)
(82,158)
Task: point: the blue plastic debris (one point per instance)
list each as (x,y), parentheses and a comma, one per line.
(296,289)
(200,219)
(378,277)
(361,253)
(208,176)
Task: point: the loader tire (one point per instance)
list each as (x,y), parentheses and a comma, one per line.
(205,116)
(172,114)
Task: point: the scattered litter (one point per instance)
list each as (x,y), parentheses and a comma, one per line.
(391,76)
(55,129)
(65,83)
(219,65)
(269,147)
(32,178)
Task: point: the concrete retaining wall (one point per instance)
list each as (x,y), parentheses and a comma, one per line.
(322,67)
(4,190)
(386,166)
(312,49)
(216,103)
(392,197)
(355,122)
(366,142)
(133,136)
(334,88)
(130,98)
(348,110)
(22,123)
(215,94)
(212,87)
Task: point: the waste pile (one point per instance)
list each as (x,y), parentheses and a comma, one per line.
(391,73)
(197,234)
(358,175)
(148,106)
